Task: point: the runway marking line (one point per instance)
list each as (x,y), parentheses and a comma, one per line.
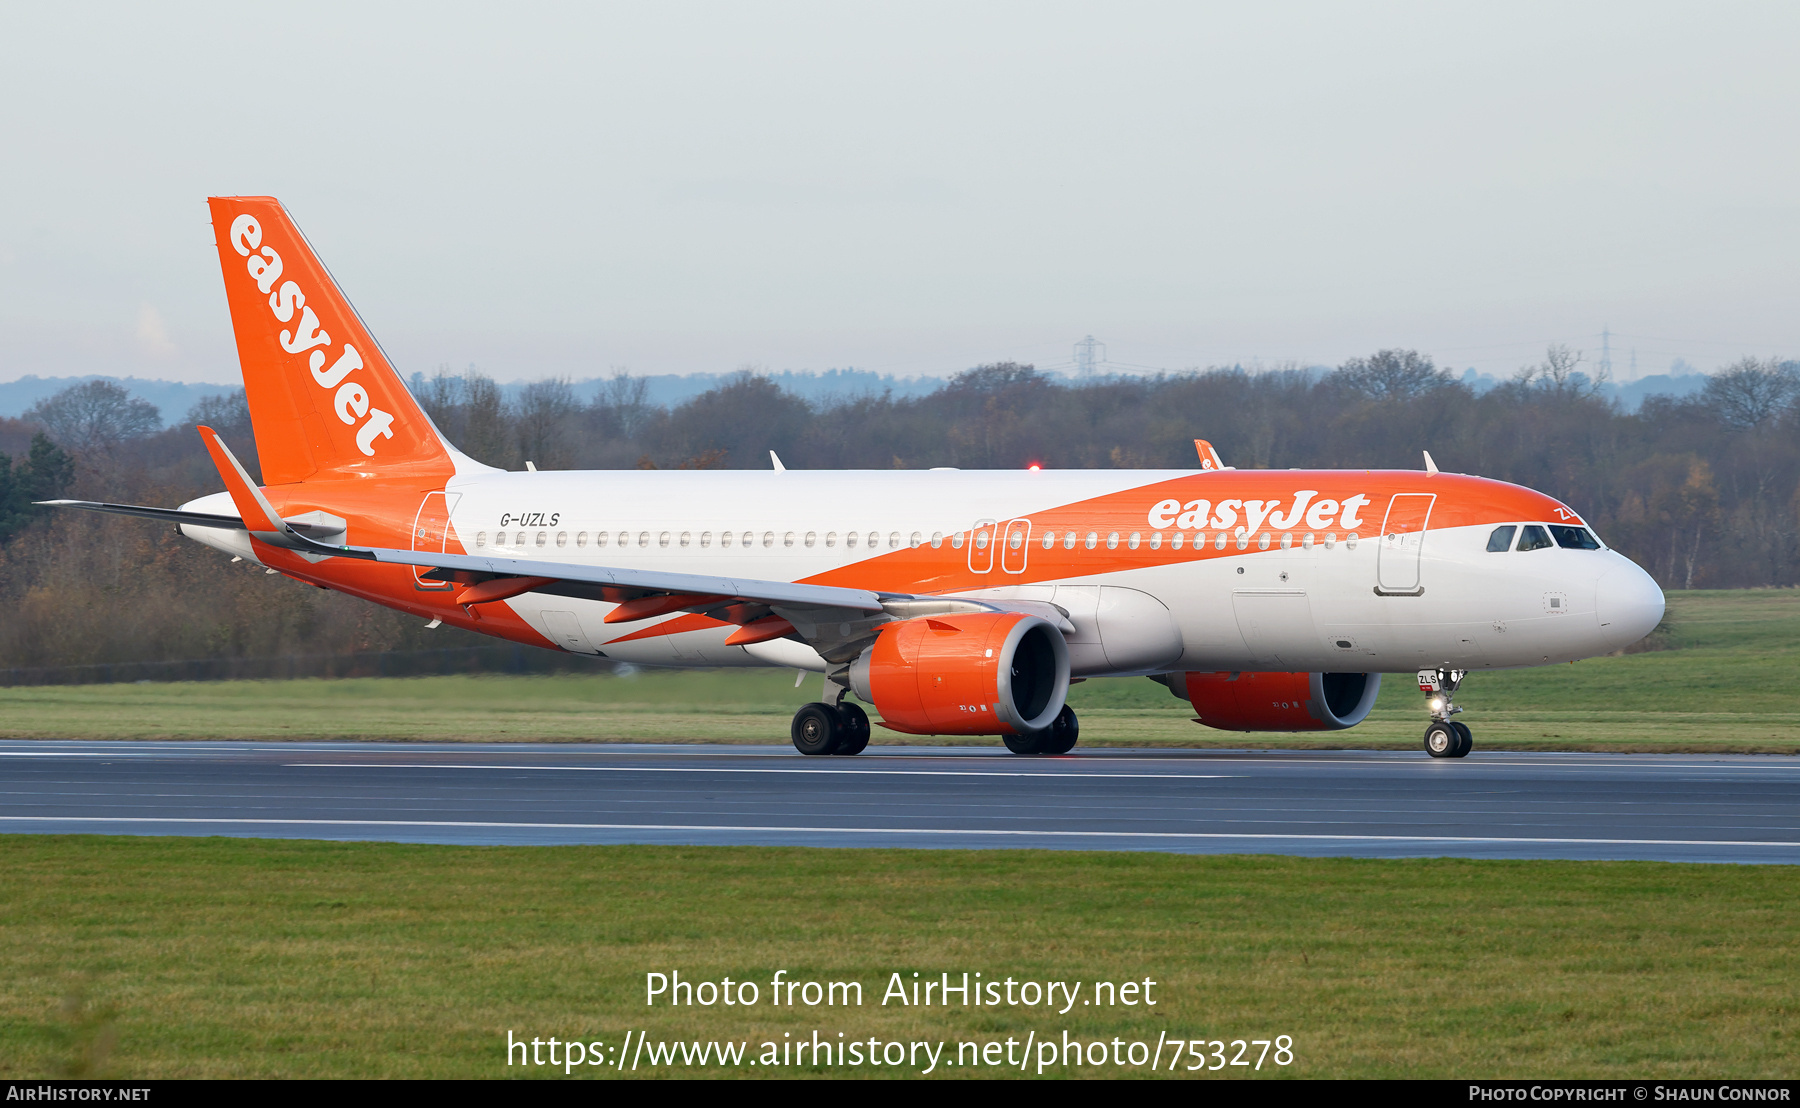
(1402,759)
(728,769)
(1259,836)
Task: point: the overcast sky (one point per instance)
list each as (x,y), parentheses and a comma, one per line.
(912,188)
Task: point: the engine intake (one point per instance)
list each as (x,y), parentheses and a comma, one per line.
(978,673)
(1277,701)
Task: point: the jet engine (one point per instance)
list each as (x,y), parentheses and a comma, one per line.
(977,673)
(1277,701)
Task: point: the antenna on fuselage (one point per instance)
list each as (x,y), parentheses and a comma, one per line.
(1431,469)
(776,458)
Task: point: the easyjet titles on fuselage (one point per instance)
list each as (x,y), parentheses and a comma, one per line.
(1202,514)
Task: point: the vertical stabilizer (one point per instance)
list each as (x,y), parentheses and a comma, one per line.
(323,399)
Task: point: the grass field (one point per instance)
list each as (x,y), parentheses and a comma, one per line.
(178,957)
(1727,684)
(168,957)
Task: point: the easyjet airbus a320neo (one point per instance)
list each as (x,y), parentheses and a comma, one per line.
(954,603)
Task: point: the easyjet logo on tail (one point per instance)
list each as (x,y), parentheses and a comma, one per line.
(350,399)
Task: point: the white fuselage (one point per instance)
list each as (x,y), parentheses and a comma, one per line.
(1313,606)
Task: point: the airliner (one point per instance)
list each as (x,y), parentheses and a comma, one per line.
(950,602)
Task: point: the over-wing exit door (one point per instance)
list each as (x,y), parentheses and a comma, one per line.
(1015,546)
(981,546)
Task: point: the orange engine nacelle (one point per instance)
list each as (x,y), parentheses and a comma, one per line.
(1277,701)
(982,673)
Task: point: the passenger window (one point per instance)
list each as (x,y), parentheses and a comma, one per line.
(1501,540)
(1534,538)
(1575,538)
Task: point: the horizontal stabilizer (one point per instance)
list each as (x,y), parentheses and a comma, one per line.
(168,515)
(192,519)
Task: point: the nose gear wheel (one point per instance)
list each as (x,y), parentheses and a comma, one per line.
(1445,737)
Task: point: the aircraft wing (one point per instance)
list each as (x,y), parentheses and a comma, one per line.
(616,584)
(837,622)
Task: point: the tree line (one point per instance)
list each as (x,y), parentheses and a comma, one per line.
(1703,491)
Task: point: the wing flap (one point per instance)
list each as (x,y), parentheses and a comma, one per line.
(619,585)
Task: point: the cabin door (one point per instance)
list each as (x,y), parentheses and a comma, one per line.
(1403,544)
(431,535)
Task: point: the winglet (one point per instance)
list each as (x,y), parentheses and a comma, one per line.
(1209,458)
(260,517)
(1431,469)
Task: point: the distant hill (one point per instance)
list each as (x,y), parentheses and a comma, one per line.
(668,390)
(172,398)
(1630,394)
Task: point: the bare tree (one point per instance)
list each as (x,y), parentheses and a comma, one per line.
(1751,393)
(623,404)
(1560,374)
(542,416)
(468,408)
(228,413)
(1391,375)
(95,415)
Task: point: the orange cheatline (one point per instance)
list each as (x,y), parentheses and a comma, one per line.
(644,607)
(501,588)
(769,627)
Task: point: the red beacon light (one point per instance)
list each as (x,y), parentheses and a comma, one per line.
(1034,467)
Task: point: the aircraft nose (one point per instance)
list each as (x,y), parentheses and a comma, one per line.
(1629,604)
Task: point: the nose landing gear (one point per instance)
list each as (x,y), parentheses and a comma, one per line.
(1444,737)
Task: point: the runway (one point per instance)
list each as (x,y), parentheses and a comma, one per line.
(1352,803)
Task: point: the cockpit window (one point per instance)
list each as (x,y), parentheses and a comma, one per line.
(1501,540)
(1575,538)
(1534,538)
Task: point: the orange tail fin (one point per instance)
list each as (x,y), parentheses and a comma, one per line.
(323,398)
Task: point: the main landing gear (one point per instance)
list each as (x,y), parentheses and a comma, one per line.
(831,726)
(822,729)
(1058,738)
(1444,737)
